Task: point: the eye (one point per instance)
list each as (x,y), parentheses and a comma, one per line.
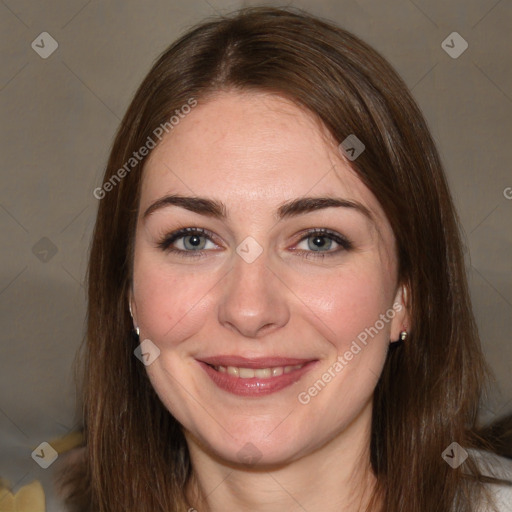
(193,242)
(187,241)
(318,243)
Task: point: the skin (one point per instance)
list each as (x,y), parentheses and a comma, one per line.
(255,151)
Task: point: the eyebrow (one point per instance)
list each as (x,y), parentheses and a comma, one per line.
(217,209)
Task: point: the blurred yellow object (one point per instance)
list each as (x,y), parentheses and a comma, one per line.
(68,442)
(29,498)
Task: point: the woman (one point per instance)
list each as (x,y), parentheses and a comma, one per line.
(276,232)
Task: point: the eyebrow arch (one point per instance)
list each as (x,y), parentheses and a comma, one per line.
(308,204)
(292,208)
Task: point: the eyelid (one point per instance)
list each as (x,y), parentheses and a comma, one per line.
(344,243)
(166,242)
(328,233)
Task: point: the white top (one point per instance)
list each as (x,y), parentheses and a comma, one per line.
(500,467)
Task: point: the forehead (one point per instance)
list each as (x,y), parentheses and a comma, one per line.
(252,151)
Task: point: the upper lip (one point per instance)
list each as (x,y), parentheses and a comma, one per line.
(253,362)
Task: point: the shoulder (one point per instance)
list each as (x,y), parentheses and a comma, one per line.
(493,465)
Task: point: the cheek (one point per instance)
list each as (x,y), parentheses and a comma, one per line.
(169,303)
(176,301)
(345,305)
(348,312)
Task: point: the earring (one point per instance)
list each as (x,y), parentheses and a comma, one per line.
(400,341)
(135,328)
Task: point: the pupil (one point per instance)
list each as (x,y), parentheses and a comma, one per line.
(194,240)
(319,241)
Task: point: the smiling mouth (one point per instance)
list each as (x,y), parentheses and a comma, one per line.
(260,373)
(255,377)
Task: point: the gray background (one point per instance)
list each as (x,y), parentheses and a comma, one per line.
(59,116)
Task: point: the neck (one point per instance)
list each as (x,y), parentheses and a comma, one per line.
(336,477)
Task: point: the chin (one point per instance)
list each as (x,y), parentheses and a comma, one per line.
(255,446)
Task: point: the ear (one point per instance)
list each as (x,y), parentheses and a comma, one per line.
(132,307)
(402,319)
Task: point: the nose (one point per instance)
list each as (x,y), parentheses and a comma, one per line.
(254,300)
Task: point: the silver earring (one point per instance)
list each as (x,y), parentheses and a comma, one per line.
(137,331)
(403,336)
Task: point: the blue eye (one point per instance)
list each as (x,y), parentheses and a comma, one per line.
(319,242)
(320,239)
(190,239)
(194,243)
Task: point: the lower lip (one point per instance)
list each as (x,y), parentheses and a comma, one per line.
(255,386)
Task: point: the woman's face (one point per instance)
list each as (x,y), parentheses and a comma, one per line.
(272,333)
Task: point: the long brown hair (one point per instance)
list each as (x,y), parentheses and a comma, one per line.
(427,397)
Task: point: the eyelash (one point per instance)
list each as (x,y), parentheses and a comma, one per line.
(168,240)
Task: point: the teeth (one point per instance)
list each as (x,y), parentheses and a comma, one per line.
(233,370)
(245,373)
(260,373)
(263,373)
